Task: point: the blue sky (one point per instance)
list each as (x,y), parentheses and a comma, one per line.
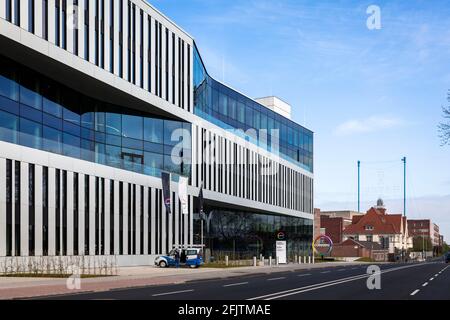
(369,95)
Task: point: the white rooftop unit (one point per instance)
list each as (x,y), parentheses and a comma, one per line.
(277,105)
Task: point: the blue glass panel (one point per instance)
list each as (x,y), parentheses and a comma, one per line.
(71,116)
(30,134)
(153,163)
(173,164)
(153,147)
(132,127)
(100,137)
(52,108)
(30,113)
(87,150)
(71,145)
(9,88)
(52,121)
(113,140)
(170,129)
(132,143)
(71,128)
(87,134)
(52,140)
(153,130)
(100,153)
(9,125)
(114,123)
(30,98)
(9,105)
(113,156)
(100,121)
(87,120)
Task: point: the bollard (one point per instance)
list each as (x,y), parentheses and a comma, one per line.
(309,259)
(304,259)
(254,261)
(313,259)
(226,261)
(270,261)
(296,258)
(278,261)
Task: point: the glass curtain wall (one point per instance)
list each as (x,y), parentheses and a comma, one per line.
(229,109)
(39,113)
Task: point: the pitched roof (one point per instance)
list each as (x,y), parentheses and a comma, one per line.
(362,244)
(380,222)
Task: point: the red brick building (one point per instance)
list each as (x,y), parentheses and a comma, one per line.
(425,228)
(388,230)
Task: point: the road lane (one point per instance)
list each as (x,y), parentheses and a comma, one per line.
(249,286)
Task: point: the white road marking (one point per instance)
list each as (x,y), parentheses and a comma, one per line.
(304,275)
(290,292)
(325,271)
(169,293)
(341,269)
(425,284)
(354,268)
(236,284)
(273,279)
(431,279)
(415,292)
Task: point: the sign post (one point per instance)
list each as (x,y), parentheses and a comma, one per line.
(281,252)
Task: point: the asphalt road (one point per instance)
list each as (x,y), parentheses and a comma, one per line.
(428,281)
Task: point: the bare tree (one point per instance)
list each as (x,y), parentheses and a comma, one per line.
(444,126)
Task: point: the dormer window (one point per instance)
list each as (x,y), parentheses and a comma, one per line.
(369,228)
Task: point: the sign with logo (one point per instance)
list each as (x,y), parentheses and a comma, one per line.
(165,177)
(183,195)
(322,245)
(281,235)
(281,252)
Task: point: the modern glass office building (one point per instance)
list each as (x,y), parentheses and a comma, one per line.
(97,98)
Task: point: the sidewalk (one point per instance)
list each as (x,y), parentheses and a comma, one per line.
(11,288)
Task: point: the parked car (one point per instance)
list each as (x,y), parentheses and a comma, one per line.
(447,258)
(190,257)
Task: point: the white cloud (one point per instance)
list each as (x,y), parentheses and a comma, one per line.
(371,124)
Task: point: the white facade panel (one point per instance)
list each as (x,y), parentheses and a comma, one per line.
(70,224)
(2,203)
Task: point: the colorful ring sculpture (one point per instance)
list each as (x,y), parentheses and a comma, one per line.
(327,239)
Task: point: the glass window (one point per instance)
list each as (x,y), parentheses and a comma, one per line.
(173,164)
(132,127)
(52,121)
(223,103)
(100,153)
(153,130)
(249,116)
(215,100)
(52,140)
(153,163)
(241,112)
(114,123)
(8,127)
(8,87)
(87,150)
(87,118)
(71,116)
(29,92)
(52,108)
(99,121)
(169,128)
(113,156)
(71,145)
(232,108)
(30,134)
